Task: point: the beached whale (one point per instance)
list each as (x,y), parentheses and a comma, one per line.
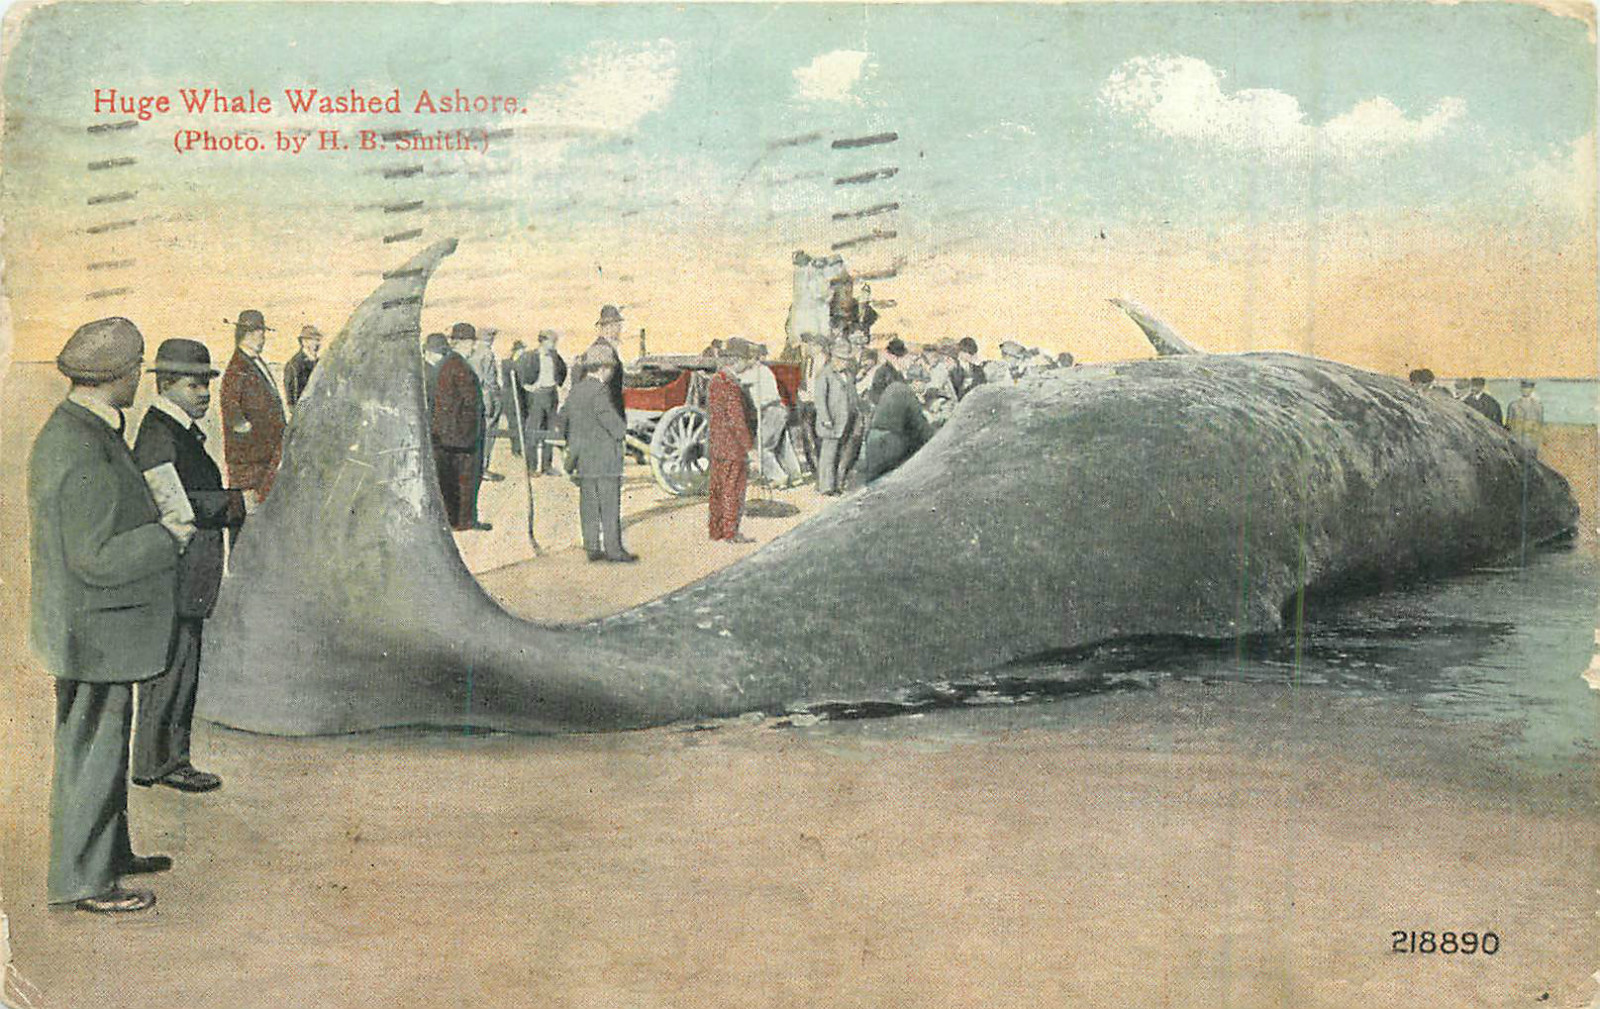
(1192,495)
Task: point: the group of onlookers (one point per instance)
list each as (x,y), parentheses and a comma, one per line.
(1523,416)
(127,550)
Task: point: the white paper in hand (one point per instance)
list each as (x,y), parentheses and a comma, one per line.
(167,489)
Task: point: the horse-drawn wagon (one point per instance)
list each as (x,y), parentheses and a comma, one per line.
(665,397)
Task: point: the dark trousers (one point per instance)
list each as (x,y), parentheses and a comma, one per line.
(855,434)
(600,512)
(166,707)
(541,420)
(458,485)
(89,846)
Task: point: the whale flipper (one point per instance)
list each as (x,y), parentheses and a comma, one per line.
(1161,336)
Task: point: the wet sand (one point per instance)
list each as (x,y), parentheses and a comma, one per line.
(1191,845)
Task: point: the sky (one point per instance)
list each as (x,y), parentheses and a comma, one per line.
(1389,184)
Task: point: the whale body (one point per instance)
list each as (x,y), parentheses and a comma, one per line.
(1194,496)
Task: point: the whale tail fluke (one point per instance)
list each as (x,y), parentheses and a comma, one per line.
(1161,336)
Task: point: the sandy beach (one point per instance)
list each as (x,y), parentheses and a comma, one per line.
(1194,844)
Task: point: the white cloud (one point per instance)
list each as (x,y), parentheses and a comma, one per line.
(1564,183)
(612,88)
(831,76)
(1184,98)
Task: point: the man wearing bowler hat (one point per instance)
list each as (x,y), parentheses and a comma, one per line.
(607,337)
(104,561)
(457,425)
(169,435)
(252,411)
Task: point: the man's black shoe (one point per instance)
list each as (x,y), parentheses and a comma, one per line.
(190,779)
(142,864)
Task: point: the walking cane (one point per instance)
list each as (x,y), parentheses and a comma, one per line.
(527,469)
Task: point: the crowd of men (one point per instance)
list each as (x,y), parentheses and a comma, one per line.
(1523,416)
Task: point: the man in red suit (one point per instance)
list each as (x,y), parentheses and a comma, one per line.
(252,412)
(730,438)
(457,424)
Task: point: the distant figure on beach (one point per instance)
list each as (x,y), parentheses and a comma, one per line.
(1481,401)
(486,365)
(512,391)
(540,374)
(253,416)
(298,371)
(968,373)
(1525,419)
(730,436)
(104,577)
(899,427)
(779,464)
(595,434)
(836,414)
(712,349)
(862,333)
(457,425)
(169,436)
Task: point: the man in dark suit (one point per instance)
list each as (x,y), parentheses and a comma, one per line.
(607,337)
(103,575)
(457,424)
(595,431)
(252,412)
(1480,400)
(168,435)
(298,371)
(540,374)
(898,427)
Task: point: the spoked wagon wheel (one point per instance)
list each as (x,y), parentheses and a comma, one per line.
(679,457)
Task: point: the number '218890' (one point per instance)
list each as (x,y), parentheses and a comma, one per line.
(1486,943)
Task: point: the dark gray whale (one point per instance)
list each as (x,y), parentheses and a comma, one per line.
(1191,495)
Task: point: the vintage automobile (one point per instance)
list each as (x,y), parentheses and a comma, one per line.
(665,397)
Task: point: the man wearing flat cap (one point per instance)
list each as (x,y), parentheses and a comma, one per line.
(595,432)
(607,338)
(252,412)
(170,436)
(104,562)
(298,371)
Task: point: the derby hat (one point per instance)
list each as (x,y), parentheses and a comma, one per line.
(310,333)
(436,344)
(102,350)
(896,347)
(249,321)
(183,357)
(609,313)
(463,331)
